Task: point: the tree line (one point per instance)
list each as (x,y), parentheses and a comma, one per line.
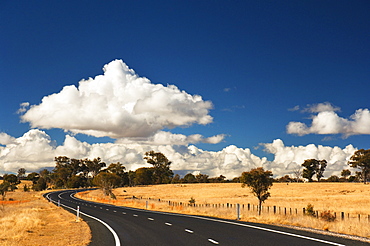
(77,173)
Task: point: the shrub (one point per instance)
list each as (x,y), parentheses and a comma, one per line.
(26,188)
(309,210)
(191,201)
(327,216)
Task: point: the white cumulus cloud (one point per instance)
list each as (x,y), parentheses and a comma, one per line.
(289,158)
(327,121)
(168,138)
(117,104)
(35,150)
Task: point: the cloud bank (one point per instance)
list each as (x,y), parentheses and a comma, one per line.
(117,104)
(327,121)
(35,150)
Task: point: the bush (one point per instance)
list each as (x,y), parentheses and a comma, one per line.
(26,188)
(327,216)
(309,210)
(191,201)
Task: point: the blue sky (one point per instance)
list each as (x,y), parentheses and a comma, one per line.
(255,61)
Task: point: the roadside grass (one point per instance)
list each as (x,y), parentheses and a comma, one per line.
(28,219)
(352,198)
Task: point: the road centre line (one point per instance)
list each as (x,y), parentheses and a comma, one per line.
(212,241)
(190,231)
(241,224)
(169,224)
(150,218)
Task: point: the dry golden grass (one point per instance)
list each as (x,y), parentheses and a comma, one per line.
(35,221)
(352,198)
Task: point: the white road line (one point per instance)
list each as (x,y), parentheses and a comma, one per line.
(135,215)
(116,238)
(263,229)
(150,219)
(123,213)
(190,231)
(212,241)
(244,225)
(169,224)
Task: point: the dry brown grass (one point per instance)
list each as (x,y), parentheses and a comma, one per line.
(31,220)
(352,198)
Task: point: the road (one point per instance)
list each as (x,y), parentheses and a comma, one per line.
(113,225)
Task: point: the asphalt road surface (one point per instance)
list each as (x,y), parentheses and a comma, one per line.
(113,225)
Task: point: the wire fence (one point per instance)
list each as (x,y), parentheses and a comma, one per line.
(253,209)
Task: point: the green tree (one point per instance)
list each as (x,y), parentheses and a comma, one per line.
(176,179)
(333,178)
(77,181)
(361,160)
(107,181)
(93,167)
(202,178)
(116,168)
(259,181)
(345,173)
(40,184)
(4,188)
(33,177)
(162,172)
(21,173)
(219,179)
(12,180)
(119,169)
(189,178)
(144,176)
(312,167)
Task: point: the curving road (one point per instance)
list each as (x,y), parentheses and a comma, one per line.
(113,225)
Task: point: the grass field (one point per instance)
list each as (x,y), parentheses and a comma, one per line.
(27,219)
(350,198)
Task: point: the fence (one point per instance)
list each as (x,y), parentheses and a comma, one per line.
(253,209)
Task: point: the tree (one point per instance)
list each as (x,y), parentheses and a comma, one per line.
(189,178)
(202,178)
(77,181)
(119,169)
(285,179)
(40,185)
(312,167)
(361,159)
(33,177)
(333,178)
(320,168)
(144,176)
(93,167)
(21,173)
(259,181)
(219,179)
(12,180)
(162,173)
(345,173)
(116,168)
(176,179)
(297,172)
(4,188)
(107,181)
